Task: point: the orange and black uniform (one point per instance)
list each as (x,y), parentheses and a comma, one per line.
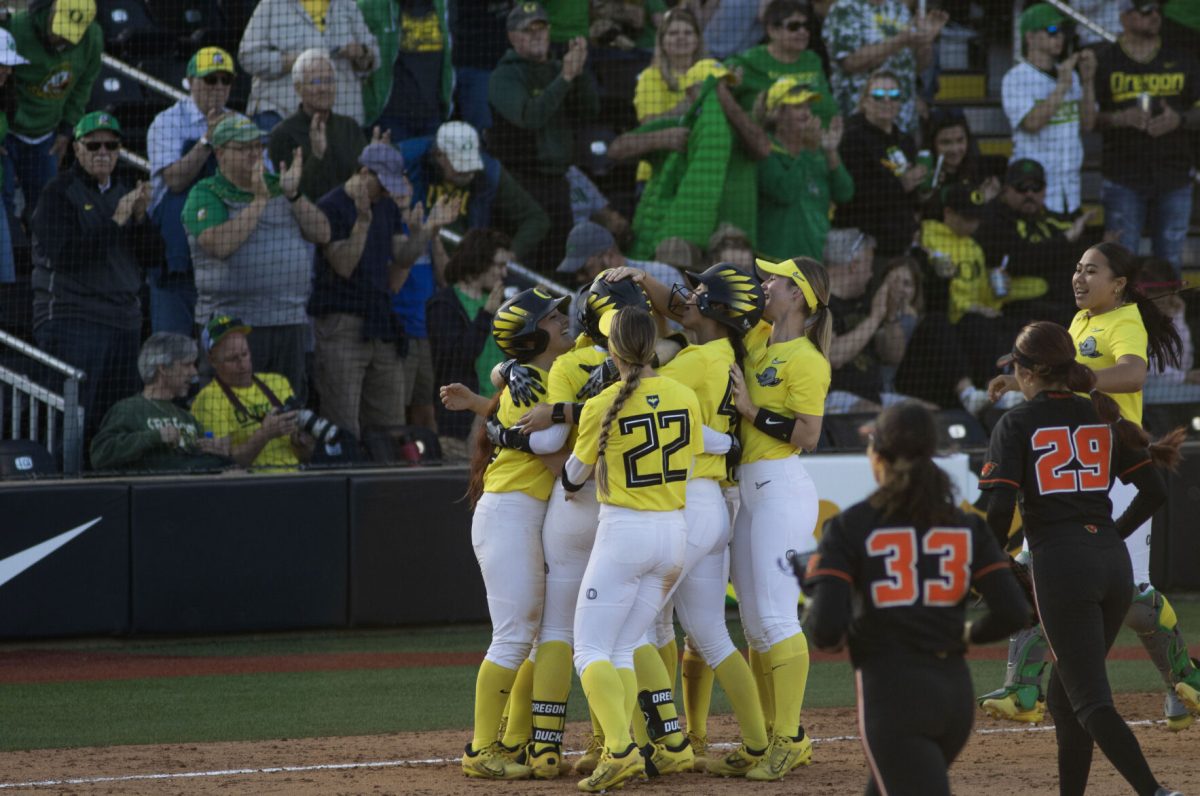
(908,587)
(1059,459)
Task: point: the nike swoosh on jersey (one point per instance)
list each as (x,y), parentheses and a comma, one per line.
(1097,330)
(778,361)
(761,484)
(19,562)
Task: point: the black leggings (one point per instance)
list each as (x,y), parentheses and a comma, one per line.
(1083,593)
(915,715)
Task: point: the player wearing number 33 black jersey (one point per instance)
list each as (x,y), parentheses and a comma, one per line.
(1059,453)
(908,557)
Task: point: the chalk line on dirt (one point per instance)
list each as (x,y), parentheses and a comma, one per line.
(431,761)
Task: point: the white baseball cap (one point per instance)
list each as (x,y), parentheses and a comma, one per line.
(8,50)
(460,143)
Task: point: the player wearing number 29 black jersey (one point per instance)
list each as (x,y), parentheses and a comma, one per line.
(909,557)
(1059,453)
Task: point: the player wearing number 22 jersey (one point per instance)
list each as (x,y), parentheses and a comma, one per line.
(892,575)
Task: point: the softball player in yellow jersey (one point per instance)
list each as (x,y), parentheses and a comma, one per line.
(1116,332)
(722,304)
(641,436)
(781,398)
(509,489)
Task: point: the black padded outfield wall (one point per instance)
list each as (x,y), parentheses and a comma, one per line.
(352,549)
(64,560)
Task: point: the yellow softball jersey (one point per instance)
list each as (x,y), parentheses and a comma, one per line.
(1100,340)
(790,378)
(705,369)
(652,444)
(513,470)
(568,374)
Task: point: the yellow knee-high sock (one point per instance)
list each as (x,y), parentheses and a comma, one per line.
(654,685)
(738,683)
(760,667)
(606,696)
(492,686)
(669,653)
(632,711)
(697,692)
(789,672)
(520,712)
(550,688)
(597,730)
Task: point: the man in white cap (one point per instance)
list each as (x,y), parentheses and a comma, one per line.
(9,57)
(63,45)
(452,163)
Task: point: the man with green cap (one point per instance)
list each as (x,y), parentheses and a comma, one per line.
(63,46)
(1050,106)
(178,144)
(87,229)
(251,234)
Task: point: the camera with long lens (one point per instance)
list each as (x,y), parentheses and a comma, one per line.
(324,430)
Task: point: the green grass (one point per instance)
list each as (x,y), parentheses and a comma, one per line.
(361,702)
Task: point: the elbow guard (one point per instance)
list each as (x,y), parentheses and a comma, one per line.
(775,425)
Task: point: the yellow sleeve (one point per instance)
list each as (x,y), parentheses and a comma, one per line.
(697,441)
(588,444)
(1128,336)
(687,368)
(206,409)
(807,384)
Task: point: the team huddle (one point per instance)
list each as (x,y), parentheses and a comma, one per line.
(622,478)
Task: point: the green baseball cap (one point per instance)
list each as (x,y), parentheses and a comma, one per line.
(219,326)
(97,120)
(235,128)
(208,60)
(1040,16)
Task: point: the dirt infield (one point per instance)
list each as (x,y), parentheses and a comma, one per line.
(1000,759)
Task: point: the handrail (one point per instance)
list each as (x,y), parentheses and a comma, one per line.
(1066,11)
(518,269)
(145,78)
(41,356)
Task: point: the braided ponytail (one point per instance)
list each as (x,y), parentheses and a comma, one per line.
(627,389)
(631,338)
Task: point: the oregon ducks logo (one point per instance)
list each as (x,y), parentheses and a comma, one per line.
(1088,348)
(768,378)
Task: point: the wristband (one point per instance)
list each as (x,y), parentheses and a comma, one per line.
(558,414)
(775,425)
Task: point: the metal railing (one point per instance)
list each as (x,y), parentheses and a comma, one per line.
(1066,11)
(23,399)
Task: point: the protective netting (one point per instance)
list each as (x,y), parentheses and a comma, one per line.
(337,252)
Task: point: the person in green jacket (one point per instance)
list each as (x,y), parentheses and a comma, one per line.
(786,54)
(9,57)
(409,95)
(149,432)
(801,177)
(63,46)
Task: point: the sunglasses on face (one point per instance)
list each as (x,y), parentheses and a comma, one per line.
(94,146)
(1147,10)
(1030,187)
(892,94)
(224,78)
(795,25)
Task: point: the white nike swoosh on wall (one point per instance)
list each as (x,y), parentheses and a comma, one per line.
(19,562)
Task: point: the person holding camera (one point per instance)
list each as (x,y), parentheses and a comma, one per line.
(257,411)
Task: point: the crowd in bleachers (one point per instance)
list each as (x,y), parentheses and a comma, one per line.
(331,208)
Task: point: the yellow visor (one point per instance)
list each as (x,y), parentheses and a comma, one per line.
(789,269)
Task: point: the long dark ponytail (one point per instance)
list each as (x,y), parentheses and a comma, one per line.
(915,490)
(1163,339)
(482,453)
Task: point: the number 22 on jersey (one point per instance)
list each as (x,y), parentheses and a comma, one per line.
(1090,446)
(901,553)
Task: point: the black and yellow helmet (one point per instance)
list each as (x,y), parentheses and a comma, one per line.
(515,326)
(738,293)
(603,297)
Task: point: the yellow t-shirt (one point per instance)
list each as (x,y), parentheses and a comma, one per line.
(789,378)
(969,285)
(1100,340)
(317,10)
(513,470)
(652,445)
(705,369)
(568,374)
(651,97)
(218,415)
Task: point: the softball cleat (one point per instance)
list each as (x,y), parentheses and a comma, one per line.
(662,759)
(591,756)
(491,763)
(1010,709)
(1178,717)
(782,755)
(614,770)
(734,764)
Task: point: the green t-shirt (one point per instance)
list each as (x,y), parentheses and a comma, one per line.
(760,70)
(491,355)
(568,18)
(205,206)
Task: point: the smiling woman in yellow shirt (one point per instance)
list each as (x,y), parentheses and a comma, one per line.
(781,398)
